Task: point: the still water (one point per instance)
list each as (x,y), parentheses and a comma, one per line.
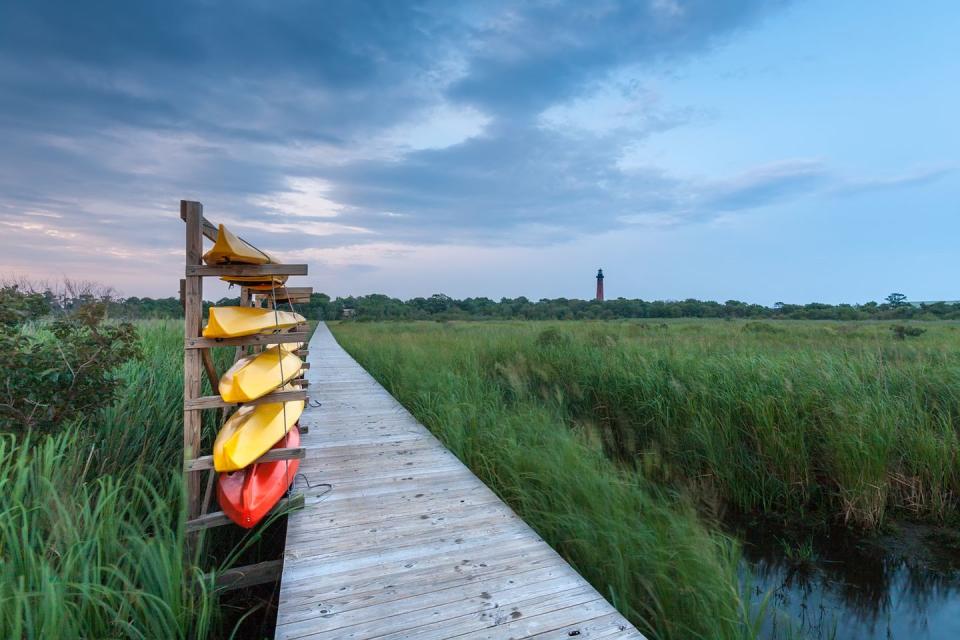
(846,591)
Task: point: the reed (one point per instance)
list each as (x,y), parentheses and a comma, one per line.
(840,422)
(91,530)
(89,556)
(602,435)
(641,546)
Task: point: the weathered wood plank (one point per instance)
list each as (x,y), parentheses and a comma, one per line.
(249,575)
(443,605)
(219,518)
(408,543)
(215,402)
(258,339)
(192,214)
(208,229)
(284,453)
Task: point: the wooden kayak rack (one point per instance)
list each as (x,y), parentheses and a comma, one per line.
(197,357)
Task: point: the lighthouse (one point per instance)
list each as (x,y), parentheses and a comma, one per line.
(600,285)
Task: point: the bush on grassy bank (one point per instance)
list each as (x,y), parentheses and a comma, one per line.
(54,374)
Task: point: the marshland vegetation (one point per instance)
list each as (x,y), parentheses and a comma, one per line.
(91,508)
(638,448)
(632,445)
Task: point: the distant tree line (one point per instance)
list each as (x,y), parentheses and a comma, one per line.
(442,307)
(71,295)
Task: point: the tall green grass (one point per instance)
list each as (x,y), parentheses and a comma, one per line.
(92,557)
(642,547)
(838,422)
(91,519)
(603,436)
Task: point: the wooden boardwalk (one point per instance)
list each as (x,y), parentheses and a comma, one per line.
(409,543)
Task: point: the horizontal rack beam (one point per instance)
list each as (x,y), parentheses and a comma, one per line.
(219,518)
(258,339)
(249,575)
(286,453)
(282,300)
(215,402)
(243,270)
(287,292)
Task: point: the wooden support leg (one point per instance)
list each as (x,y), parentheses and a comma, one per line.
(211,370)
(192,214)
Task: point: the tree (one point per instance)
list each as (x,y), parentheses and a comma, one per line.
(17,306)
(896,299)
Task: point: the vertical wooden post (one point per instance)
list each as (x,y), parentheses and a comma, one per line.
(192,214)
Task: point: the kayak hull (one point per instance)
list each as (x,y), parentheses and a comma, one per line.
(246,496)
(251,431)
(230,249)
(233,322)
(255,376)
(256,282)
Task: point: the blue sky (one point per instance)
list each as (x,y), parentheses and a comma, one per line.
(763,151)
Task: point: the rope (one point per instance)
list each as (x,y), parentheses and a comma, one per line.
(276,324)
(306,481)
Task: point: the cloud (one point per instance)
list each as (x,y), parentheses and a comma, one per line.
(528,57)
(764,185)
(362,124)
(905,180)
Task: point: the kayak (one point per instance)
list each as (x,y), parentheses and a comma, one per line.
(232,322)
(246,496)
(257,375)
(230,249)
(252,430)
(267,286)
(261,283)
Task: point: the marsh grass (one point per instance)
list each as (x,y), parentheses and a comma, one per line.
(604,435)
(91,536)
(642,547)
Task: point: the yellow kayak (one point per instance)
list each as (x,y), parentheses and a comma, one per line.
(260,283)
(251,431)
(232,322)
(277,285)
(229,249)
(257,375)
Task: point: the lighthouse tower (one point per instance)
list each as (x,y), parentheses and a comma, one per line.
(600,285)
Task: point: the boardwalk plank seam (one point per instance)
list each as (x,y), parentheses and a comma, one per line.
(409,543)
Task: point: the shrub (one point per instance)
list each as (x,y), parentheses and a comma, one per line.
(902,331)
(551,337)
(54,374)
(17,307)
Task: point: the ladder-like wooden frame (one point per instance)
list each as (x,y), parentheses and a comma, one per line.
(197,357)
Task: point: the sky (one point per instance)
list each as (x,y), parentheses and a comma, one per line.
(759,151)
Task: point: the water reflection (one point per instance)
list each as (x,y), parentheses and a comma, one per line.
(845,592)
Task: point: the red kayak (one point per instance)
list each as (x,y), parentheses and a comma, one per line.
(248,494)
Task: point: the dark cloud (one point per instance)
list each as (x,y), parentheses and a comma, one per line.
(111,111)
(292,69)
(512,176)
(543,52)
